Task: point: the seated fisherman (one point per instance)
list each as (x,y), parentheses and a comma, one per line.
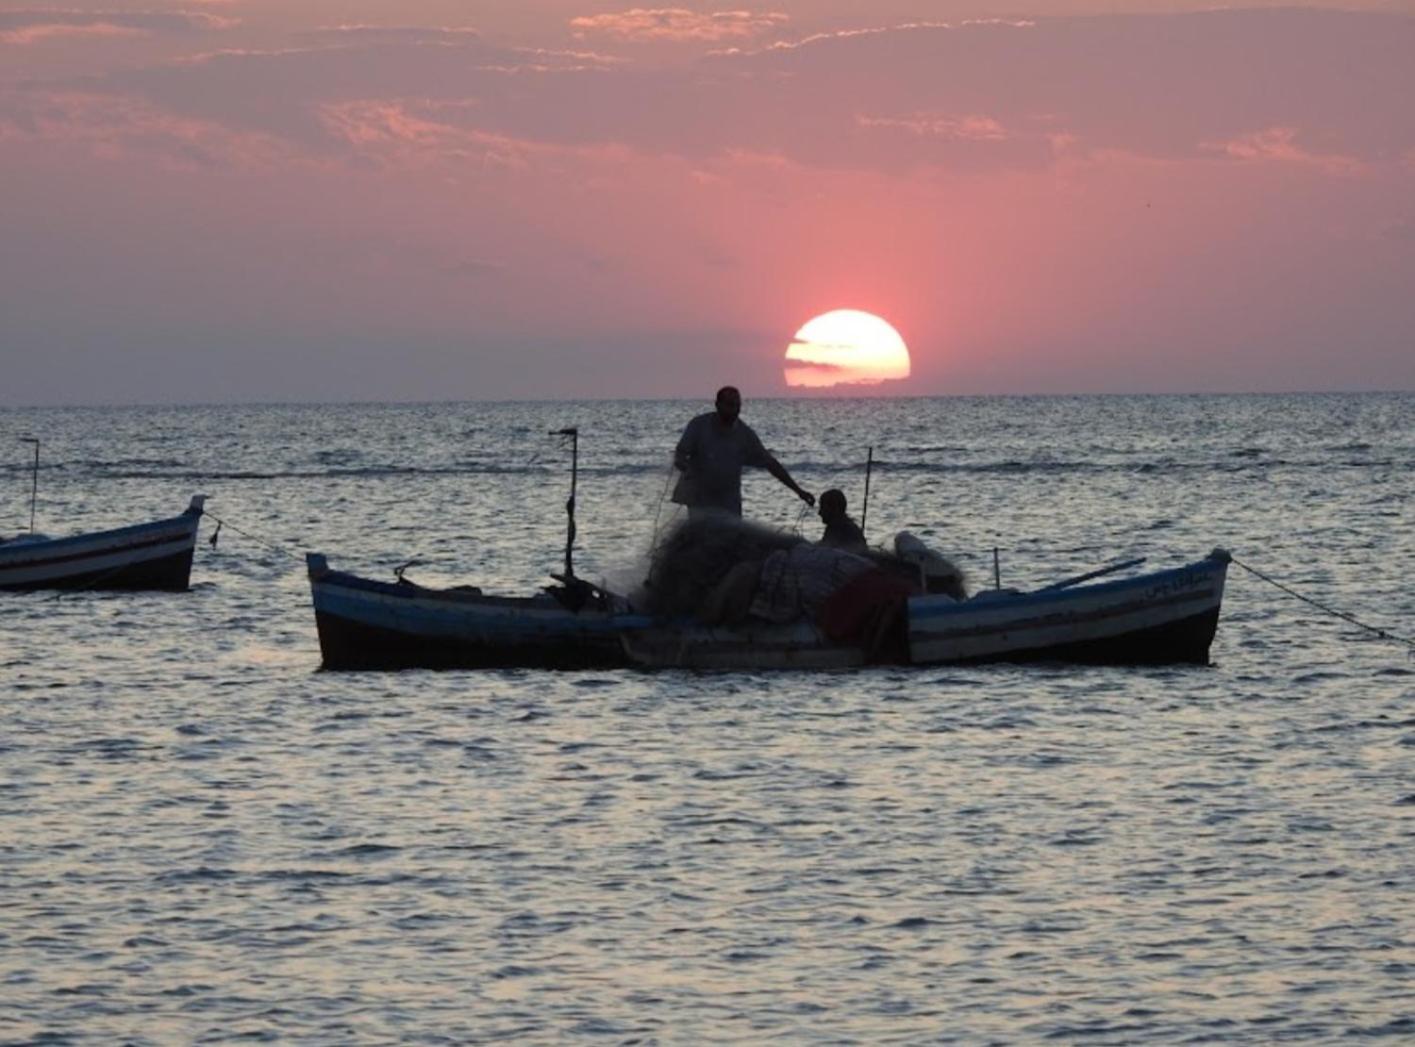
(841,532)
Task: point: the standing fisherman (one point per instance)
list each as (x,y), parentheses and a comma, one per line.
(711,453)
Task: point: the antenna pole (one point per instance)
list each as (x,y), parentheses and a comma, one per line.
(573,433)
(865,511)
(34,483)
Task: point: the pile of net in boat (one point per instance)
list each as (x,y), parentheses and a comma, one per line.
(722,570)
(695,556)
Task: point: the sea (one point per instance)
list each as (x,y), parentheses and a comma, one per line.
(204,838)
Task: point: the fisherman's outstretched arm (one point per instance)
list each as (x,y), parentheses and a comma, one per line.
(779,471)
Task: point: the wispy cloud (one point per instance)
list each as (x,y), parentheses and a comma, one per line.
(396,132)
(24,28)
(377,34)
(896,27)
(38,33)
(678,24)
(115,126)
(1279,145)
(973,127)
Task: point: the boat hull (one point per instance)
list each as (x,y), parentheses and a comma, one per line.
(364,624)
(1168,617)
(798,645)
(345,643)
(153,556)
(1165,618)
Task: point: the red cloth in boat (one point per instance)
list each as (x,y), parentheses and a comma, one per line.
(861,609)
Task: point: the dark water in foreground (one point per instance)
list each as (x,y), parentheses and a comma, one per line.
(204,839)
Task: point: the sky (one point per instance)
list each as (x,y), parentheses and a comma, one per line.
(259,200)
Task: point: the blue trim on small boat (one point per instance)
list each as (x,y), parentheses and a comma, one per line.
(52,545)
(458,610)
(1192,574)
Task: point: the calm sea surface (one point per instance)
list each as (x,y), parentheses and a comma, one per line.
(203,838)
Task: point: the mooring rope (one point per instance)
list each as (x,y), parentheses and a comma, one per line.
(220,523)
(93,583)
(1384,634)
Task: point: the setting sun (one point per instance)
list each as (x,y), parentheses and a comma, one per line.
(845,347)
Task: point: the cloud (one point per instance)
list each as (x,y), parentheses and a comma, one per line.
(411,133)
(24,28)
(847,34)
(973,128)
(1279,145)
(114,126)
(375,34)
(969,97)
(33,34)
(678,24)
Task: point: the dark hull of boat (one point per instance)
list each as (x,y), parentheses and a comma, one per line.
(349,645)
(1182,642)
(169,574)
(152,556)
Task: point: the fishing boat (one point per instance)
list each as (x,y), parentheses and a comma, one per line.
(154,555)
(1161,617)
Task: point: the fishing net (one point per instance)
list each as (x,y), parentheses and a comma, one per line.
(720,570)
(693,556)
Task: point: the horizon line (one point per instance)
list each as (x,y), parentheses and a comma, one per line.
(704,398)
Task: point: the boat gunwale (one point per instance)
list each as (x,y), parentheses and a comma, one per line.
(11,551)
(540,601)
(934,606)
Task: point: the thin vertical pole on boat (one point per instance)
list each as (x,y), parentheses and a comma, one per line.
(573,433)
(996,569)
(34,483)
(865,511)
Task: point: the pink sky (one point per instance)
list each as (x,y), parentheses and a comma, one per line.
(265,200)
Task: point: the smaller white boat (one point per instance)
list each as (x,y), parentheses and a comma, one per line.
(154,555)
(1165,617)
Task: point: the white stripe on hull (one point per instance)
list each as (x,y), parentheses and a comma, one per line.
(93,564)
(1018,626)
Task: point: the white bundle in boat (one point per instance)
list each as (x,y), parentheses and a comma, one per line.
(937,573)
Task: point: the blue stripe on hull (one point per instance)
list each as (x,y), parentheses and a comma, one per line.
(1148,587)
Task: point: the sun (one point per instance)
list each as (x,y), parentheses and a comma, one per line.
(845,347)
